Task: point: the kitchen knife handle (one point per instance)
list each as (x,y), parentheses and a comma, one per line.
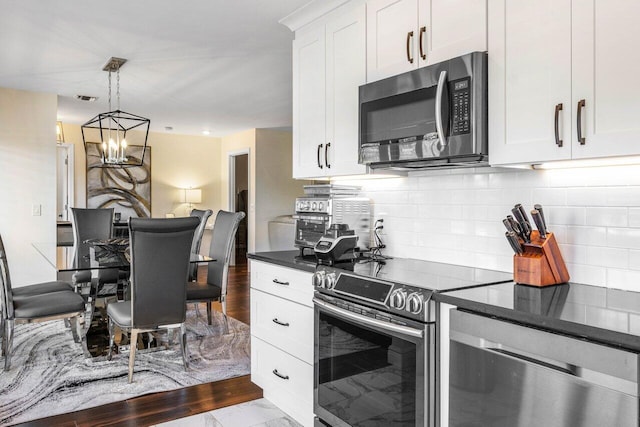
(581,105)
(524,225)
(544,221)
(515,226)
(514,242)
(318,155)
(409,37)
(508,225)
(536,218)
(525,217)
(556,125)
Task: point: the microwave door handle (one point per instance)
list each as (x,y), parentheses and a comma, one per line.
(442,81)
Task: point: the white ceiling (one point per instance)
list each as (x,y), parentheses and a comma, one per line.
(217,65)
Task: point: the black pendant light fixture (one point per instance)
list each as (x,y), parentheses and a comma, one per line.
(110,128)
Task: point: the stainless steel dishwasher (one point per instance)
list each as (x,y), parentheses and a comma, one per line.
(504,374)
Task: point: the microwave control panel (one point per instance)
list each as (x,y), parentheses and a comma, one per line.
(461,97)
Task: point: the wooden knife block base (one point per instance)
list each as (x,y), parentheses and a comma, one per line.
(541,264)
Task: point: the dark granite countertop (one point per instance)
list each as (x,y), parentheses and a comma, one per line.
(289,259)
(608,316)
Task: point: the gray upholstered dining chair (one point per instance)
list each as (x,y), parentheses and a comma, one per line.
(197,238)
(215,289)
(93,224)
(36,303)
(160,253)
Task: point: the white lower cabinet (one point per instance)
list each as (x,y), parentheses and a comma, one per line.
(285,380)
(282,338)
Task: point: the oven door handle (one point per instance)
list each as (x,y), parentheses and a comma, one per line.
(389,327)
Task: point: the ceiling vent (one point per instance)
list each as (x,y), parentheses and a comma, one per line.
(86,98)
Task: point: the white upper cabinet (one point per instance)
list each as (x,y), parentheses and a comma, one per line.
(308,103)
(329,65)
(406,34)
(606,75)
(581,55)
(529,78)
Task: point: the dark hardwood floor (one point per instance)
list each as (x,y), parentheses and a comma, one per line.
(161,407)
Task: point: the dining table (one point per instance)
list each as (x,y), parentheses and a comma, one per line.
(95,255)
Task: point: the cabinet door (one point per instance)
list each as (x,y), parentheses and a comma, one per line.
(309,103)
(606,66)
(529,75)
(450,28)
(392,36)
(346,70)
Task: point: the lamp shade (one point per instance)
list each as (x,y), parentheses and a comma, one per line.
(192,195)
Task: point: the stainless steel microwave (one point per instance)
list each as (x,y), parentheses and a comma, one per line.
(435,116)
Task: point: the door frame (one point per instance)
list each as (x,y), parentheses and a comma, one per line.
(231,196)
(70,150)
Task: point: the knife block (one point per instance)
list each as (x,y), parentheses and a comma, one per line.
(541,264)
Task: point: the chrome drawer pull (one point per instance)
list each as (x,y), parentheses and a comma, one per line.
(279,375)
(280,283)
(276,321)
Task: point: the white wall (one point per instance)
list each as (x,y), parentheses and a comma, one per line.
(27,177)
(455,216)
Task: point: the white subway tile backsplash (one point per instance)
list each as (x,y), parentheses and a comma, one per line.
(634,217)
(607,257)
(623,238)
(627,280)
(623,196)
(608,217)
(456,216)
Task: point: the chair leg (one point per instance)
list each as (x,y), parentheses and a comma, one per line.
(223,302)
(7,343)
(132,352)
(209,303)
(73,323)
(111,338)
(183,346)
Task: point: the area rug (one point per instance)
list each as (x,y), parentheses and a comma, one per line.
(49,374)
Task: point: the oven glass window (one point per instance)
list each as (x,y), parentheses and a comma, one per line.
(310,231)
(365,378)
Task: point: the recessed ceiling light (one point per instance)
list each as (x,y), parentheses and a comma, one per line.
(86,98)
(205,132)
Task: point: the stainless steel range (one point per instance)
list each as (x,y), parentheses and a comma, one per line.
(375,346)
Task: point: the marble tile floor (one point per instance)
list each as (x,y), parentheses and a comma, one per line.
(256,413)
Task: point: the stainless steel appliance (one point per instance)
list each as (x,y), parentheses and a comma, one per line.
(507,374)
(375,340)
(331,204)
(338,244)
(434,116)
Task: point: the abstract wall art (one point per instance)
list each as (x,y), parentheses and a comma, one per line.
(127,190)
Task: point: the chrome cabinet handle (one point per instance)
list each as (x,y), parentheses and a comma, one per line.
(276,321)
(423,31)
(326,155)
(556,126)
(279,375)
(280,283)
(318,155)
(409,37)
(581,139)
(365,320)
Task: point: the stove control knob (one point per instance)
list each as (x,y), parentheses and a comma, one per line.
(415,303)
(330,281)
(398,299)
(318,279)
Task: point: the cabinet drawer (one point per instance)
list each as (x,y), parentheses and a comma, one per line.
(294,285)
(292,391)
(282,323)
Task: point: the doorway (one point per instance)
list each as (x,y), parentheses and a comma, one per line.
(239,202)
(64,181)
